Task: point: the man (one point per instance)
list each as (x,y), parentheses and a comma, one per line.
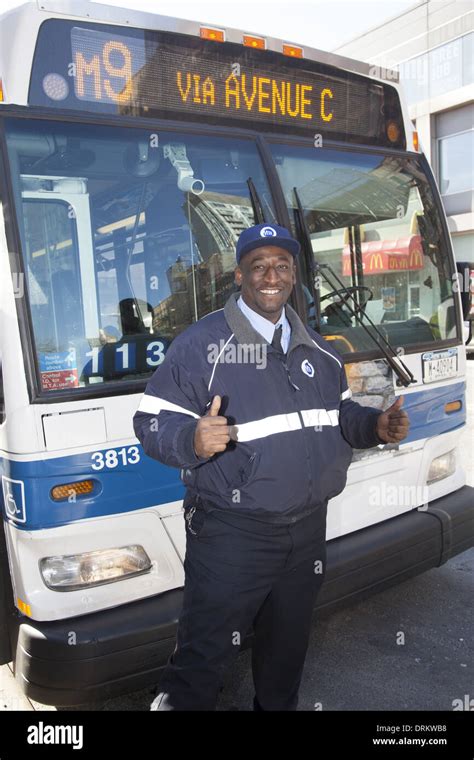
(255,410)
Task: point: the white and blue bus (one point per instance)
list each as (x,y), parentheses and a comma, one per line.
(134,149)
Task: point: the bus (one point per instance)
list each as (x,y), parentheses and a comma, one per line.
(135,148)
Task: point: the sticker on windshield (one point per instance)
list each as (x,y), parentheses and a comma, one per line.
(58,370)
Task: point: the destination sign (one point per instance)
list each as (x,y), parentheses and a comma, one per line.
(170,75)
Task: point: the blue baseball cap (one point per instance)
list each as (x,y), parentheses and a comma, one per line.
(266,234)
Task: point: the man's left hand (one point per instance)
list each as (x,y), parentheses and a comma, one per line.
(393,424)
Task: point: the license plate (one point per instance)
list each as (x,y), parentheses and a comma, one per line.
(439,365)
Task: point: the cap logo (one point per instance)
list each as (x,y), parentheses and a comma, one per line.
(268,232)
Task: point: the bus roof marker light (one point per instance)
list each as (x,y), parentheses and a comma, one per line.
(209,33)
(259,43)
(293,51)
(2,95)
(416,142)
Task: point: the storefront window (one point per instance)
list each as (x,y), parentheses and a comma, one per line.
(456,154)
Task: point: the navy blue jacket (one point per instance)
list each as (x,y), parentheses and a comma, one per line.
(293,423)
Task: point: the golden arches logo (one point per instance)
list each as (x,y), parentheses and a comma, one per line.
(376,261)
(416,258)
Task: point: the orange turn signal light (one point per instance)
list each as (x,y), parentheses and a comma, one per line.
(416,142)
(452,406)
(81,488)
(23,607)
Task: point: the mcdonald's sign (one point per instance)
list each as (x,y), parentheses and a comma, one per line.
(376,262)
(397,262)
(416,258)
(383,256)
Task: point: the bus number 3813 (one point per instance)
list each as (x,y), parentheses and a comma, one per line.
(112,458)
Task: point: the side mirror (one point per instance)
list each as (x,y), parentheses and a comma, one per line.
(464,286)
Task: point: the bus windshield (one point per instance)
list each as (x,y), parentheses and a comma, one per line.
(372,219)
(128,236)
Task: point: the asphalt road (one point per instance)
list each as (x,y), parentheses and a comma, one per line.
(354,661)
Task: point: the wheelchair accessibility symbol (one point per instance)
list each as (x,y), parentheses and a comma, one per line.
(14,497)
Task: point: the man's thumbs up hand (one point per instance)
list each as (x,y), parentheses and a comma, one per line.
(213,410)
(393,424)
(212,432)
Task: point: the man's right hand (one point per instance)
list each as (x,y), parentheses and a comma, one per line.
(212,432)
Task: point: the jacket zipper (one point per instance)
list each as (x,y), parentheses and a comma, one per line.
(308,462)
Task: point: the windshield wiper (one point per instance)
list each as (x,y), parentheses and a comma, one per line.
(357,271)
(258,212)
(307,248)
(398,366)
(401,370)
(141,203)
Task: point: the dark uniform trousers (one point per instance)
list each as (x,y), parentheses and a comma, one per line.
(239,573)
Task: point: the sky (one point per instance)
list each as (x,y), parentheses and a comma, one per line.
(323,24)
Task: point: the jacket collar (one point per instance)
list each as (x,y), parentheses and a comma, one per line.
(245,333)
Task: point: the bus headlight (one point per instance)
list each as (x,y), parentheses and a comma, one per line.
(73,572)
(441,467)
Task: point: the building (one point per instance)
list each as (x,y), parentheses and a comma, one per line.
(432,47)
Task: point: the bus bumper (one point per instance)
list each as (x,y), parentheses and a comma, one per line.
(122,650)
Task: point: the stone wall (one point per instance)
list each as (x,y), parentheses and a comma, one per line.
(371,385)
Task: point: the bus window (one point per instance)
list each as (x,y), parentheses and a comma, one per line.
(54,282)
(128,237)
(372,219)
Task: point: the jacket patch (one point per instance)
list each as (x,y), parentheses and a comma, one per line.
(307,368)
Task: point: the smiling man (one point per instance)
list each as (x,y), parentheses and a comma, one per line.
(261,453)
